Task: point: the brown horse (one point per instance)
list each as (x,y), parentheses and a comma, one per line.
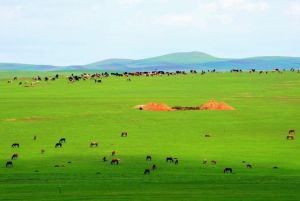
(113,153)
(115,161)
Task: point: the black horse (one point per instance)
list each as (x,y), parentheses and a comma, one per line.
(148,158)
(14,156)
(9,164)
(94,144)
(62,140)
(228,170)
(15,145)
(147,171)
(169,159)
(58,145)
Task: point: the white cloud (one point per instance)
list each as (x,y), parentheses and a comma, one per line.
(9,13)
(293,10)
(129,2)
(244,5)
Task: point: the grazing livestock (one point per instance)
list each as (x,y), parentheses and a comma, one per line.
(113,153)
(14,156)
(104,159)
(213,162)
(124,134)
(249,166)
(148,158)
(147,171)
(94,144)
(42,151)
(115,161)
(176,162)
(153,167)
(292,132)
(9,164)
(62,140)
(20,83)
(169,159)
(290,137)
(58,145)
(275,167)
(15,145)
(207,135)
(204,161)
(228,170)
(34,137)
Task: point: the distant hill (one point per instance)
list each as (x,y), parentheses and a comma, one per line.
(174,61)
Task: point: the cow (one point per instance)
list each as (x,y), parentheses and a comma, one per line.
(290,137)
(227,170)
(42,151)
(34,137)
(249,166)
(153,167)
(292,132)
(115,161)
(9,164)
(124,134)
(169,159)
(204,161)
(148,158)
(147,171)
(58,145)
(176,161)
(15,145)
(275,167)
(104,159)
(207,135)
(113,153)
(94,144)
(14,156)
(62,140)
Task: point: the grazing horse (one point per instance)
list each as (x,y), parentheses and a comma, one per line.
(147,171)
(213,162)
(249,166)
(290,137)
(115,161)
(124,134)
(9,164)
(153,167)
(148,158)
(228,170)
(113,153)
(94,144)
(292,132)
(14,156)
(169,159)
(62,140)
(176,162)
(58,145)
(15,145)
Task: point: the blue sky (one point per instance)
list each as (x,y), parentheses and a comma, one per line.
(65,32)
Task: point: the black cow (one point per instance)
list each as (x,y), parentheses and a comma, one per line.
(14,156)
(169,159)
(62,140)
(147,171)
(94,144)
(148,158)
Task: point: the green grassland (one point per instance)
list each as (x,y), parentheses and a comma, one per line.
(267,106)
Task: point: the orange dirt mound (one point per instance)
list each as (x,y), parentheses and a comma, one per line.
(214,105)
(155,107)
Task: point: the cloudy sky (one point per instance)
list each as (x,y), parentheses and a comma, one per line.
(65,32)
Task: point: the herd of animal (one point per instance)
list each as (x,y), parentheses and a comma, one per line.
(97,77)
(116,161)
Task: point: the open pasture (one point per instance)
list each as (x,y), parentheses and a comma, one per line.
(266,106)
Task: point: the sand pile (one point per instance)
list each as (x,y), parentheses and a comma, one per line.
(155,107)
(214,105)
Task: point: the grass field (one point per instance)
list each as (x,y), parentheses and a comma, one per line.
(267,106)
